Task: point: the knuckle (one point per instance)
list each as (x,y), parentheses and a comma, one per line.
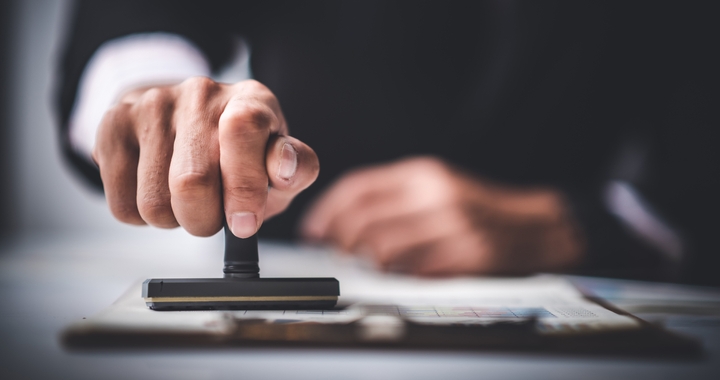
(154,98)
(198,102)
(199,85)
(156,209)
(435,176)
(154,107)
(255,91)
(193,184)
(247,116)
(196,95)
(247,190)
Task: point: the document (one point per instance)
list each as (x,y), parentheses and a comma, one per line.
(542,313)
(551,301)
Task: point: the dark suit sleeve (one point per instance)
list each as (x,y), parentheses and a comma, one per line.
(94,22)
(612,249)
(668,83)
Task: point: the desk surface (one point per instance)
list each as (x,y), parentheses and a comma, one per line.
(50,281)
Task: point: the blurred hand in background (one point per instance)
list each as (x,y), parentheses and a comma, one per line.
(422,216)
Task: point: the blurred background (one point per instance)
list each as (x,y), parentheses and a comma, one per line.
(38,192)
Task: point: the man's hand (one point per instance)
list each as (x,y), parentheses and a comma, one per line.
(422,216)
(186,155)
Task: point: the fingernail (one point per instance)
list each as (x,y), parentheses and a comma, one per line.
(288,162)
(243,224)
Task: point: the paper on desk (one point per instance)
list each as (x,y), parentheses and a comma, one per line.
(129,313)
(554,302)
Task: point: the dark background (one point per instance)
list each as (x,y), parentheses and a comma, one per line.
(663,69)
(39,192)
(5,195)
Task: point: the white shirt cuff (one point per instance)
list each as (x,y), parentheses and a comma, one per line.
(124,64)
(628,205)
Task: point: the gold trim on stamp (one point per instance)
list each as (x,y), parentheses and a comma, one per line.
(241,299)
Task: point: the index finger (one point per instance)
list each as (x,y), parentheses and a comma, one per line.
(244,129)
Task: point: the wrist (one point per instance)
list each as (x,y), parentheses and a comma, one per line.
(532,228)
